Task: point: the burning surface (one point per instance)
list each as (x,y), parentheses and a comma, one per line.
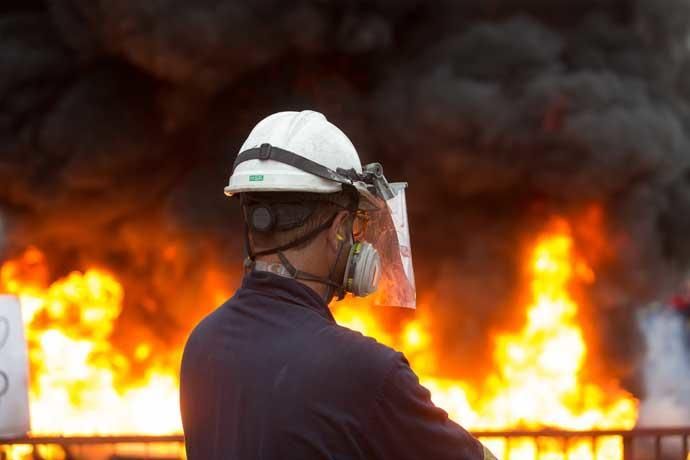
(76,371)
(119,121)
(539,376)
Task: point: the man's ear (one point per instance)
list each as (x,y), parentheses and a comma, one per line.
(337,232)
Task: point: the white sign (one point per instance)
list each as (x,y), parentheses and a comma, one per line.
(14,375)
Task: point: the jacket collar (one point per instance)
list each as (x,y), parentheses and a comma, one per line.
(287,290)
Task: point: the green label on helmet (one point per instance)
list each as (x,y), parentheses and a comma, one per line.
(256,178)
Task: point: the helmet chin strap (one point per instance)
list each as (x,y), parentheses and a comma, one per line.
(332,287)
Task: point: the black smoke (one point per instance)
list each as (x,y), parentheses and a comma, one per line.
(120,119)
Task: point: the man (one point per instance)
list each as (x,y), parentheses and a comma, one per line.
(269,374)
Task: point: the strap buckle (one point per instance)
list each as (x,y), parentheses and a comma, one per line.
(265,151)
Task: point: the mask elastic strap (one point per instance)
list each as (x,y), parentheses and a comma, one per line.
(309,236)
(297,274)
(333,286)
(339,287)
(249,255)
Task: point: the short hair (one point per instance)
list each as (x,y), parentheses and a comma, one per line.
(319,208)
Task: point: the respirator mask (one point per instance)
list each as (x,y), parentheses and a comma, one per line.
(378,258)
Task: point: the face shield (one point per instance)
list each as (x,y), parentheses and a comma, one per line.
(387,230)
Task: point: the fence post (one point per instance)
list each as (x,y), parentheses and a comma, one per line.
(628,450)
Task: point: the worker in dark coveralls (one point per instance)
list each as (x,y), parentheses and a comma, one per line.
(269,374)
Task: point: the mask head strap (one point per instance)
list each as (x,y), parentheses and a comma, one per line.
(303,239)
(298,274)
(333,286)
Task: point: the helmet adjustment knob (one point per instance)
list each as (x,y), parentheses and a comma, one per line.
(262,219)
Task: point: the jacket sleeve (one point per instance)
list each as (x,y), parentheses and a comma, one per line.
(405,424)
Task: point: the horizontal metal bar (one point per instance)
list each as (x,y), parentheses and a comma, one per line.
(67,440)
(178,438)
(637,432)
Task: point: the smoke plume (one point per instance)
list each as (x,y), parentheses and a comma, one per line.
(120,120)
(667,370)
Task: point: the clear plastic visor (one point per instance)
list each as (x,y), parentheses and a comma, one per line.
(387,229)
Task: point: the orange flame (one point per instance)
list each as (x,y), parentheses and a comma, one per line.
(74,367)
(537,380)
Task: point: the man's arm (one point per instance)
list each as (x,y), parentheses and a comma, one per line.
(405,424)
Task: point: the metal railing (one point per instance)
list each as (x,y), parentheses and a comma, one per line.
(637,444)
(130,447)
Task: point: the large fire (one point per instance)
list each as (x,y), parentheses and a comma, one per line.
(537,381)
(74,367)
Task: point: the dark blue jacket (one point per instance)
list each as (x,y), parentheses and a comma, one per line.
(270,375)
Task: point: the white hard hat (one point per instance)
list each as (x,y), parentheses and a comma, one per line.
(305,133)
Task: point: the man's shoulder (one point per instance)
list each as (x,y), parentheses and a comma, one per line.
(208,322)
(354,352)
(204,333)
(344,369)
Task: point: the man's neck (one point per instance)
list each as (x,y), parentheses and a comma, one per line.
(273,259)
